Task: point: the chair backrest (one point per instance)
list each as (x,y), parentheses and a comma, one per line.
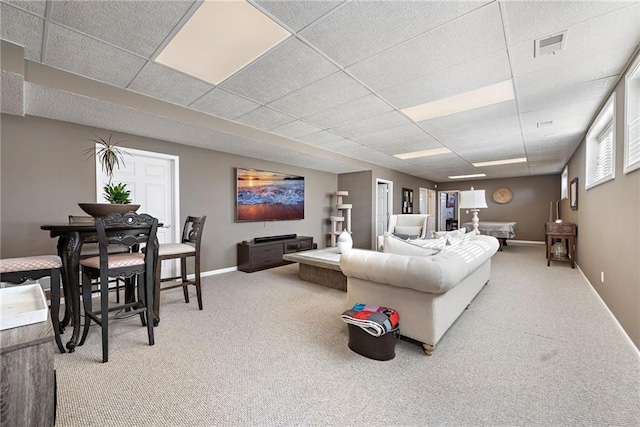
(129,229)
(409,220)
(192,231)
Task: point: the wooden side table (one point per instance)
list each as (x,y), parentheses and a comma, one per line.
(566,232)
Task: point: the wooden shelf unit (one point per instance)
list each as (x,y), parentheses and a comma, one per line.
(259,256)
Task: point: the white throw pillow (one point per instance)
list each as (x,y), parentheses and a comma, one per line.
(394,245)
(437,244)
(449,234)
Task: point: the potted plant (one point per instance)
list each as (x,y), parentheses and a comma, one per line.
(110,158)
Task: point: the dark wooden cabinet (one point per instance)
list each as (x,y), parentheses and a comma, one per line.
(258,256)
(28,378)
(565,232)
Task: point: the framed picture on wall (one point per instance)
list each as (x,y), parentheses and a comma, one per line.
(573,194)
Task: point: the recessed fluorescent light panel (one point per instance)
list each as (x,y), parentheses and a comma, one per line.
(475,175)
(482,97)
(501,162)
(423,153)
(219,39)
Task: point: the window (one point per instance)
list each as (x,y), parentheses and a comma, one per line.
(632,118)
(564,192)
(601,146)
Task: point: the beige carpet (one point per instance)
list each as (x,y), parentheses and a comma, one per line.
(535,348)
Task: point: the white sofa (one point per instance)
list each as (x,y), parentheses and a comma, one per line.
(428,291)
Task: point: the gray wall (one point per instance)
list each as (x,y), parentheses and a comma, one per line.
(358,184)
(608,233)
(44,175)
(529,206)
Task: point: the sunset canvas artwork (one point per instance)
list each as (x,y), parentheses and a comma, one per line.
(269,196)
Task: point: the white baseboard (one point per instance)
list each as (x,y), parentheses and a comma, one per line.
(214,272)
(622,331)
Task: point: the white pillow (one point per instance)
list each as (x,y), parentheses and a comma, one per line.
(394,245)
(437,244)
(408,230)
(449,234)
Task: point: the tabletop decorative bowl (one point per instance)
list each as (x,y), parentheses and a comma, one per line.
(98,210)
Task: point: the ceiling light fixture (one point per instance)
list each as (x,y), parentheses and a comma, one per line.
(219,39)
(423,153)
(482,97)
(500,162)
(475,175)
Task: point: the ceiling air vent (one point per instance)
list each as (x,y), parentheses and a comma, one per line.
(551,44)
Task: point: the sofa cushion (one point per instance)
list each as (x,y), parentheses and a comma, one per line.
(395,245)
(405,236)
(449,234)
(437,244)
(407,229)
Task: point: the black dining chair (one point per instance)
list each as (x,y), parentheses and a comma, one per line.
(19,270)
(90,249)
(128,230)
(188,247)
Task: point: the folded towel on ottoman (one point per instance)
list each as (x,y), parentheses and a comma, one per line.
(375,320)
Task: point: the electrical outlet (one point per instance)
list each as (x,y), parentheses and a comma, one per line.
(602,276)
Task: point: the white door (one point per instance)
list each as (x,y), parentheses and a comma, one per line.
(424,202)
(384,207)
(152,180)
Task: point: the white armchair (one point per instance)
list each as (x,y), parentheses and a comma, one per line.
(421,225)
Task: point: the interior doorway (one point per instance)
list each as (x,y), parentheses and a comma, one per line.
(427,201)
(152,179)
(384,207)
(448,210)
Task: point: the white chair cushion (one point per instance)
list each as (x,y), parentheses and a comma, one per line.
(175,249)
(115,261)
(30,263)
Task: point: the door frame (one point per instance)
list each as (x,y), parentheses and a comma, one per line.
(389,207)
(439,218)
(175,172)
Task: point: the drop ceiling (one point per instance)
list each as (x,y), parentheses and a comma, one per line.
(330,95)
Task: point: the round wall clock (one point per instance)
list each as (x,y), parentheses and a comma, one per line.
(502,195)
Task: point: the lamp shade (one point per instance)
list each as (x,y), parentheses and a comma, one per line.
(472,199)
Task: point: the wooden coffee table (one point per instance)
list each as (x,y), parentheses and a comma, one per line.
(321,266)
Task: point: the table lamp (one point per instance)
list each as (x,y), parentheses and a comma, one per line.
(473,200)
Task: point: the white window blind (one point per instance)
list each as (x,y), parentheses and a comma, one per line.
(632,118)
(601,138)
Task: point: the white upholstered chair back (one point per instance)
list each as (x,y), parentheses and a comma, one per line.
(426,222)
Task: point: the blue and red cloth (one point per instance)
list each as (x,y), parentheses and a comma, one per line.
(375,320)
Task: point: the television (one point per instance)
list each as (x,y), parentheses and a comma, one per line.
(268,196)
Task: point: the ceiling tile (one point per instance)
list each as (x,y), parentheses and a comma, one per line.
(12,99)
(137,26)
(532,100)
(388,120)
(351,111)
(34,6)
(526,20)
(475,74)
(334,90)
(23,29)
(615,31)
(342,146)
(79,54)
(297,15)
(264,118)
(320,138)
(284,69)
(295,129)
(497,116)
(224,104)
(168,84)
(401,139)
(371,27)
(473,35)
